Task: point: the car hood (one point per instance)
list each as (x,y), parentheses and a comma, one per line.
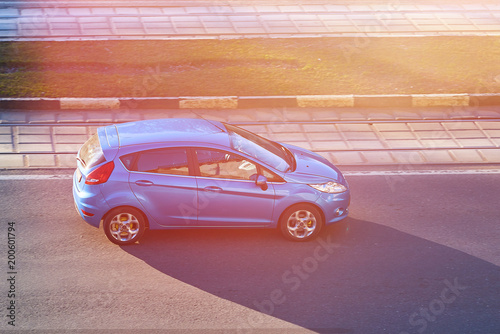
(312,168)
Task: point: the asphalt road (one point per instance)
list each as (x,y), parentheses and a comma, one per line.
(418,254)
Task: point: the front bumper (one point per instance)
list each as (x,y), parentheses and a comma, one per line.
(334,206)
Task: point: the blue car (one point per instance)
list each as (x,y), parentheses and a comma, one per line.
(197,173)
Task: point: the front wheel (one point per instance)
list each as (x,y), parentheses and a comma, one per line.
(124,226)
(301,223)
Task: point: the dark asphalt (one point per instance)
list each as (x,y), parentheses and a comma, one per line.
(418,254)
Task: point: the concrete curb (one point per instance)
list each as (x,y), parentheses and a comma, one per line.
(123,3)
(246,102)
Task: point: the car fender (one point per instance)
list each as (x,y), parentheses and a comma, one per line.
(287,196)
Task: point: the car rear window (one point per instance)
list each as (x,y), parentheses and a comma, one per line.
(128,160)
(91,152)
(172,161)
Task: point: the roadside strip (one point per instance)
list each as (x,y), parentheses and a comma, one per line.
(30,177)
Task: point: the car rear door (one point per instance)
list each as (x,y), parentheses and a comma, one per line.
(227,193)
(162,182)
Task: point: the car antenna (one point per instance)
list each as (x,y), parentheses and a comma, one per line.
(208,120)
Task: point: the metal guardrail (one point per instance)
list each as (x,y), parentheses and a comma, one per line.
(166,22)
(50,139)
(350,136)
(243,123)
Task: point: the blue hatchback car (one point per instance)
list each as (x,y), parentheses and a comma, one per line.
(197,173)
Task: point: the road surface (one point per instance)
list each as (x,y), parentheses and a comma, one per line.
(418,254)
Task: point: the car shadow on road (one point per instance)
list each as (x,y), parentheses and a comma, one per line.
(357,277)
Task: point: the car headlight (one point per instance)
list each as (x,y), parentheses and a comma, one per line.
(330,187)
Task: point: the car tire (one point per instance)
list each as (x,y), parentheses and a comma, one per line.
(301,222)
(124,226)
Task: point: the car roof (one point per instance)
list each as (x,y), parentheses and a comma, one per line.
(171,130)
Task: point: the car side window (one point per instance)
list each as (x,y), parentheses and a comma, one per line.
(128,160)
(172,161)
(220,164)
(271,177)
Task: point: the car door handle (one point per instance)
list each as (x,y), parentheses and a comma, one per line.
(144,183)
(213,189)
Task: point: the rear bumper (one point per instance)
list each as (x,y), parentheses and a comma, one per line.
(89,203)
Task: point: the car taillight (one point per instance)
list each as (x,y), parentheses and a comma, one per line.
(101,174)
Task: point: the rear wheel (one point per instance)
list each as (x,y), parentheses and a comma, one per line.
(302,222)
(124,226)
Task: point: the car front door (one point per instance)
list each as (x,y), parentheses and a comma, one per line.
(161,181)
(227,192)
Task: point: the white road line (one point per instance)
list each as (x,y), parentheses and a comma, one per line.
(35,177)
(423,172)
(26,177)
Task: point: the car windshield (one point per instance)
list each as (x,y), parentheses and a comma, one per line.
(269,152)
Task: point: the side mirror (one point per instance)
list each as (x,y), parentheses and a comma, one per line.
(262,182)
